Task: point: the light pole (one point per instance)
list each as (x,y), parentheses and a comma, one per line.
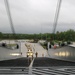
(41,31)
(20,48)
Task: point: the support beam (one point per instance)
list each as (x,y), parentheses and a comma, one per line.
(56,15)
(9,16)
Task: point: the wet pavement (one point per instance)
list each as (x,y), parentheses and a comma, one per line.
(7,54)
(61,57)
(64,53)
(36,47)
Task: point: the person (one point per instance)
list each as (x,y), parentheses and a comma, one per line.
(3,44)
(42,55)
(50,46)
(32,57)
(21,53)
(36,54)
(17,46)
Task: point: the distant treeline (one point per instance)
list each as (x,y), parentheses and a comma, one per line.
(64,36)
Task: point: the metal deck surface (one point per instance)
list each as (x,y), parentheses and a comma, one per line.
(40,66)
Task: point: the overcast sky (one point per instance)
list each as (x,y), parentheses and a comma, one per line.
(37,16)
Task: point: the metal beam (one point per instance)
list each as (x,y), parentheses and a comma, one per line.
(56,15)
(9,15)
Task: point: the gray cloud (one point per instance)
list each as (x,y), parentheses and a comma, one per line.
(29,15)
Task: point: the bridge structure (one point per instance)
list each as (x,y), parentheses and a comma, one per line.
(40,65)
